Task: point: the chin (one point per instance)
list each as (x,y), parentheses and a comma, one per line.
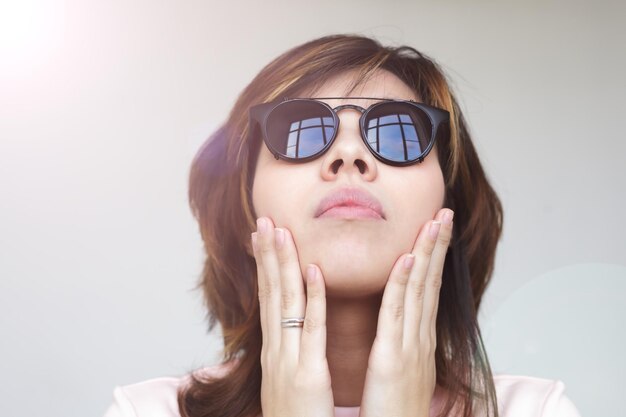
(362,273)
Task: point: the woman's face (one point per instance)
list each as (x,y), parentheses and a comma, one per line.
(355,255)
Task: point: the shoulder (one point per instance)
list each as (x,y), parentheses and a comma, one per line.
(520,395)
(156,397)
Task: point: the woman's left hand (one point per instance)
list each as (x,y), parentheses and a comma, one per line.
(401,376)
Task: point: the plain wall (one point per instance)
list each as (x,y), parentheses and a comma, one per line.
(104,104)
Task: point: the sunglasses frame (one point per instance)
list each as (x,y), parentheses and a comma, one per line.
(259,114)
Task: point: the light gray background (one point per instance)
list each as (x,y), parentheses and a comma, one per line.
(103,105)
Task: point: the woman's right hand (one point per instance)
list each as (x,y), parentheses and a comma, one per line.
(295,375)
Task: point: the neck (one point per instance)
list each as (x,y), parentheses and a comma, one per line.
(351,329)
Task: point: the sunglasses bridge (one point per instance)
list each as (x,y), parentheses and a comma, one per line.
(349,106)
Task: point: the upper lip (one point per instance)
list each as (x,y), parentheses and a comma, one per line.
(349,196)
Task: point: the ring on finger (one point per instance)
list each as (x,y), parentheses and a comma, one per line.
(292,322)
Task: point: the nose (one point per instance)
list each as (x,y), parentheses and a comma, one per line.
(349,154)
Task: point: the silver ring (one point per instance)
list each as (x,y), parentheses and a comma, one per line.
(292,322)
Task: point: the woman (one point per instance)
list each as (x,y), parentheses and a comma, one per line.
(350,233)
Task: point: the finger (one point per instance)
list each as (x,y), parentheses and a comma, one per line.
(261,287)
(434,277)
(272,288)
(414,299)
(391,315)
(313,342)
(292,292)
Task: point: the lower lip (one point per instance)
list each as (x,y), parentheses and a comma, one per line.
(351,212)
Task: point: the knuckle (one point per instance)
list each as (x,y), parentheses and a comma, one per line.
(418,289)
(412,360)
(445,239)
(283,258)
(402,278)
(311,376)
(427,249)
(273,284)
(269,288)
(283,254)
(313,294)
(311,325)
(288,299)
(265,243)
(396,310)
(389,370)
(265,247)
(435,283)
(396,368)
(301,384)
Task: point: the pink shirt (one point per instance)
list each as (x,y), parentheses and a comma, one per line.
(518,396)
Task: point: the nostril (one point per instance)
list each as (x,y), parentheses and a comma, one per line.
(361,165)
(335,166)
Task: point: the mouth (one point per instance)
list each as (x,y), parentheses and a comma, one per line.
(351,212)
(350,203)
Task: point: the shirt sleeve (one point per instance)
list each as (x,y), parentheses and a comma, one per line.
(557,404)
(121,406)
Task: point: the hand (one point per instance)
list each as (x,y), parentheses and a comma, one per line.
(401,376)
(295,374)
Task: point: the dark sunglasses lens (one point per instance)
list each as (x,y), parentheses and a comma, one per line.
(299,128)
(399,132)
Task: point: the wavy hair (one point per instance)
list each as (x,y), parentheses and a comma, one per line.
(220,183)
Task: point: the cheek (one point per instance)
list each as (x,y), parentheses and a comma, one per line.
(263,193)
(260,193)
(420,201)
(277,190)
(266,198)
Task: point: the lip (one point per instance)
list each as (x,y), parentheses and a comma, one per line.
(350,202)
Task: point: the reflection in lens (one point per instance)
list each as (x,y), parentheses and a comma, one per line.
(398,131)
(298,129)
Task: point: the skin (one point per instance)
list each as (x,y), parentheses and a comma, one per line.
(363,307)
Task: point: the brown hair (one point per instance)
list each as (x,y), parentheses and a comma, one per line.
(220,198)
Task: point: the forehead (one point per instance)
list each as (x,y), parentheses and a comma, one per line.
(381,84)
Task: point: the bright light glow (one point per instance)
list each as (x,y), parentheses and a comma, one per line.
(29,32)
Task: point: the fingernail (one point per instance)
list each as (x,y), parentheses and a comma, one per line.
(254,244)
(280,237)
(408,261)
(261,225)
(447,217)
(433,231)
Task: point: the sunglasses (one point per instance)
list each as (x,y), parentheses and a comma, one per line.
(397,132)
